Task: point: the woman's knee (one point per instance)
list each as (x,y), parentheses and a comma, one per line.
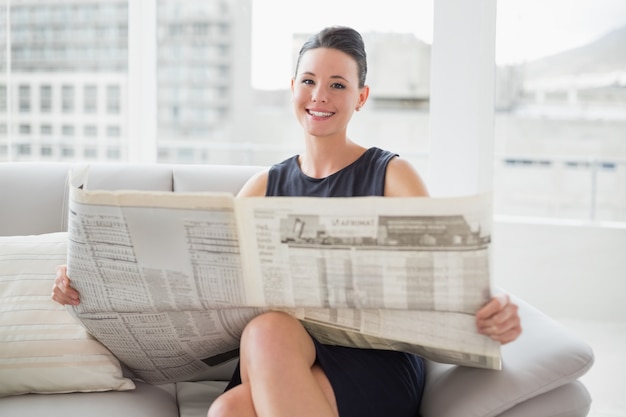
(274,332)
(270,327)
(221,407)
(236,402)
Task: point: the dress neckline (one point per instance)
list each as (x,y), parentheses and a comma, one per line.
(313,179)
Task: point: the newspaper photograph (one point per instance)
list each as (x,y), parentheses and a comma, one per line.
(169,280)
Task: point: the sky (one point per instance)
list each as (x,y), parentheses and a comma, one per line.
(525,29)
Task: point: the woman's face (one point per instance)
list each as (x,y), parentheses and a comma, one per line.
(326,91)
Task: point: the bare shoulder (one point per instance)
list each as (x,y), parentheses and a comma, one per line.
(403,180)
(255,186)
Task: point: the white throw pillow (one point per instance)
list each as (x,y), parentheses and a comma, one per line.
(43,348)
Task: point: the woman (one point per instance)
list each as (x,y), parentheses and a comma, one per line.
(283,371)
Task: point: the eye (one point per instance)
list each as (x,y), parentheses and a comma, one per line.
(308,81)
(338,86)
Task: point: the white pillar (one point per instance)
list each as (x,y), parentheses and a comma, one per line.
(142,95)
(462,97)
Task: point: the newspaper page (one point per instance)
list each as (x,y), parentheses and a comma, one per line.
(168,281)
(385,273)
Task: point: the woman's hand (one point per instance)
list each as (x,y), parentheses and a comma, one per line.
(499,319)
(62,293)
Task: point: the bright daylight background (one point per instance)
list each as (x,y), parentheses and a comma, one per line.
(526,30)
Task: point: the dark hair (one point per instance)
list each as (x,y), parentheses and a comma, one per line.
(344,39)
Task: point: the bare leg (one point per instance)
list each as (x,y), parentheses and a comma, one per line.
(237,401)
(277,356)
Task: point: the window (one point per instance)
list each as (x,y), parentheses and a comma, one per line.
(113,99)
(113,131)
(24,98)
(67,98)
(90,131)
(46,151)
(561,105)
(90,97)
(67,130)
(67,152)
(3,97)
(45,98)
(222,79)
(45,130)
(209,95)
(24,129)
(113,154)
(23,149)
(91,153)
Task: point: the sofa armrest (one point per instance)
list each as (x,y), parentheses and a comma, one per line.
(545,356)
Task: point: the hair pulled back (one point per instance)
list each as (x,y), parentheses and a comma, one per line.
(344,39)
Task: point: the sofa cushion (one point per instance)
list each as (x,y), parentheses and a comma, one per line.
(144,401)
(546,356)
(194,398)
(40,187)
(569,400)
(214,178)
(43,348)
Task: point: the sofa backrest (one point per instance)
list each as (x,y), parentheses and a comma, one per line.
(34,195)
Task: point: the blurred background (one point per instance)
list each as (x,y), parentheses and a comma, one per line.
(207,81)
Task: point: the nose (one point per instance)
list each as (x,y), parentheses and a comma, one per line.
(319,94)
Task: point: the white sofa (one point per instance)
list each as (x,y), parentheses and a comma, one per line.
(539,376)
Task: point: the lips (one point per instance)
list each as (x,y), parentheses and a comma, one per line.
(315,113)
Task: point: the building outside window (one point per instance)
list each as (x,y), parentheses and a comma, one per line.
(24,98)
(45,98)
(67,153)
(90,131)
(24,129)
(90,153)
(46,151)
(222,77)
(113,99)
(67,130)
(113,154)
(3,97)
(67,98)
(90,98)
(23,149)
(45,130)
(113,132)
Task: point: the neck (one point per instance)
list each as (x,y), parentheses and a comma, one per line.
(325,156)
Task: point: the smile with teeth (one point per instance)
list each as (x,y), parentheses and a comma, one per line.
(319,113)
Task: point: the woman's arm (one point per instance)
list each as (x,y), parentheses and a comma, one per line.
(403,180)
(255,186)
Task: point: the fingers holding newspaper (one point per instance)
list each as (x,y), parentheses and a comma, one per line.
(499,319)
(62,292)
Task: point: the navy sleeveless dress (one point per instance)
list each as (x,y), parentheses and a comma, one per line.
(366,382)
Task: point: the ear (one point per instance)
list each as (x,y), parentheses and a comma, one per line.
(363,95)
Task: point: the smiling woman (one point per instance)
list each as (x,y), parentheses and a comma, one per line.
(283,370)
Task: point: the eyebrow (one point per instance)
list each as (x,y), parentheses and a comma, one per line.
(332,76)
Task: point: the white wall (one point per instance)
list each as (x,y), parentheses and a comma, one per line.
(567,270)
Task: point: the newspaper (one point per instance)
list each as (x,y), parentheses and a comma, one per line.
(169,280)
